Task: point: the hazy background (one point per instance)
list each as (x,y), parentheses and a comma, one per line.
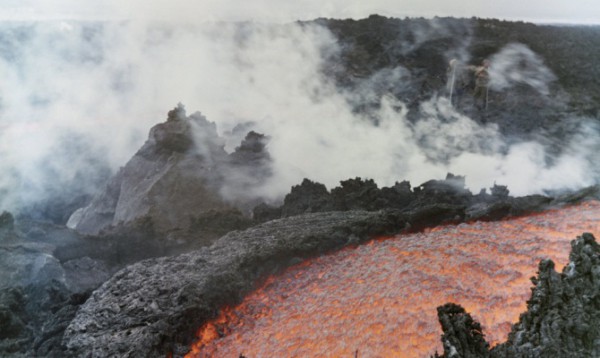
(77,99)
(564,11)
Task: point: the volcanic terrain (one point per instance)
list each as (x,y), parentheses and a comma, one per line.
(184,250)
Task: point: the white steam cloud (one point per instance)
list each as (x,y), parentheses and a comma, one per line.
(77,96)
(518,64)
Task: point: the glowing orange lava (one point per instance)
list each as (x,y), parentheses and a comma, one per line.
(380,299)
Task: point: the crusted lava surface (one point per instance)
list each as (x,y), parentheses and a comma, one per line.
(153,308)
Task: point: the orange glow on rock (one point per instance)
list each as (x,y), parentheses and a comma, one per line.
(380,299)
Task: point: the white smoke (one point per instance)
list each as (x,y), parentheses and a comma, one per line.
(76,96)
(518,64)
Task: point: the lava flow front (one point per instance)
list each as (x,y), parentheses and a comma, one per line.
(380,299)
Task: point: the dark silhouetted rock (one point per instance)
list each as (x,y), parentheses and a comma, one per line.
(462,336)
(245,170)
(7,221)
(448,191)
(252,150)
(356,194)
(500,191)
(308,197)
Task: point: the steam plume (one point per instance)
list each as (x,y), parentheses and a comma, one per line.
(517,64)
(79,98)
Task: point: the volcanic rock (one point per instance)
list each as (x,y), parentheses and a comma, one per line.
(181,184)
(563,313)
(462,336)
(359,194)
(308,197)
(169,179)
(39,293)
(153,307)
(179,174)
(247,168)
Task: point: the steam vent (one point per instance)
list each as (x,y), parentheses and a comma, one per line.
(356,188)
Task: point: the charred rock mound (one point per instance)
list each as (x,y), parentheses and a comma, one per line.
(359,194)
(175,178)
(562,317)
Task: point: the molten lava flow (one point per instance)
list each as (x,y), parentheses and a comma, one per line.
(380,299)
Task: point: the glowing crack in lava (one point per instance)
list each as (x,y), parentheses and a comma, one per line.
(379,299)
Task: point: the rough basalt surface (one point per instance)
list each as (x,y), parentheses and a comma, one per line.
(463,336)
(359,194)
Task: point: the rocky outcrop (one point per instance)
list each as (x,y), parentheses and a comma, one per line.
(176,176)
(169,179)
(463,336)
(562,317)
(359,194)
(246,168)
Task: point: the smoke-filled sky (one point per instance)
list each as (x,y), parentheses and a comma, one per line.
(78,98)
(565,11)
